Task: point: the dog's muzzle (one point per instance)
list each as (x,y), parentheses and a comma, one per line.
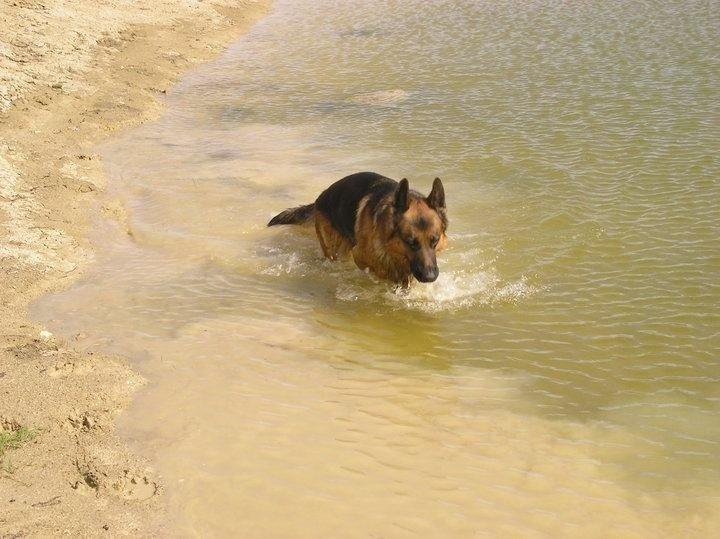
(426,274)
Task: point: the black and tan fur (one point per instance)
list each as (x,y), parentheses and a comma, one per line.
(386,227)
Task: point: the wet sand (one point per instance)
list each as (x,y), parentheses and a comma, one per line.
(71,73)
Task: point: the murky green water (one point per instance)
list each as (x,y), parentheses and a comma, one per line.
(562,375)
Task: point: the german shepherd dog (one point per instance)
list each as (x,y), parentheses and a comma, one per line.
(389,229)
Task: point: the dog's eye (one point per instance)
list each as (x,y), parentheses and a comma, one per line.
(434,241)
(413,243)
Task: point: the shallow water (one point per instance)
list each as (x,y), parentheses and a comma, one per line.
(561,376)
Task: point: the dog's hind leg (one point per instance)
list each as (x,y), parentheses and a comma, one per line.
(332,242)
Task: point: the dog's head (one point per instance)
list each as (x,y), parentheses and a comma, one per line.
(419,229)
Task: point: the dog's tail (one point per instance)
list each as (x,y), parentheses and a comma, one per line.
(294,216)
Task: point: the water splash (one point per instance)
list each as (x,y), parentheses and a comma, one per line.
(453,291)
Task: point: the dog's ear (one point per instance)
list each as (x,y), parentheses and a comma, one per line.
(402,202)
(436,198)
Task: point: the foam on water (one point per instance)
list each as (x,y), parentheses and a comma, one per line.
(452,291)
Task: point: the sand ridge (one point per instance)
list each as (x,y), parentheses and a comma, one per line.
(72,72)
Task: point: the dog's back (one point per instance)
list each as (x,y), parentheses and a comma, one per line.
(339,203)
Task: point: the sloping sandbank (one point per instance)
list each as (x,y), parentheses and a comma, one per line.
(72,72)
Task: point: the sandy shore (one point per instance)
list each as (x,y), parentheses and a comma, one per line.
(72,72)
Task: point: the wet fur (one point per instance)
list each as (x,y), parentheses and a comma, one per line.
(371,217)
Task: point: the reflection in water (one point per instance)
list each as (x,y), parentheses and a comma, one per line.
(561,376)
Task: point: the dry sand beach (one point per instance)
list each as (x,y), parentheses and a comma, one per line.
(71,72)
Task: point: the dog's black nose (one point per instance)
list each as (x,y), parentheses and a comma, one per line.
(427,275)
